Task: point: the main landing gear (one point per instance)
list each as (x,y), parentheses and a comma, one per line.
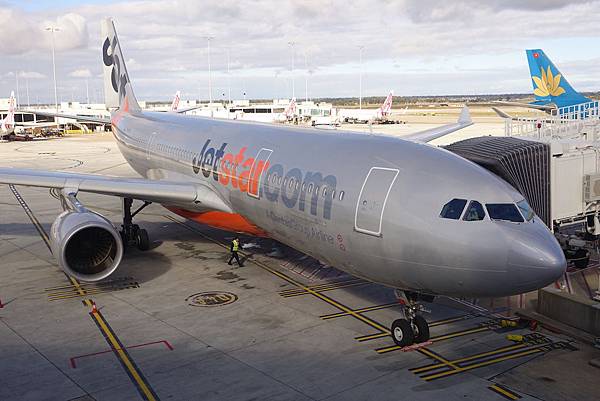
(413,328)
(132,234)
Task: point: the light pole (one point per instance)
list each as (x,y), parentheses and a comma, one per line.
(53,29)
(228,78)
(306,75)
(208,39)
(360,50)
(17,78)
(27,89)
(292,45)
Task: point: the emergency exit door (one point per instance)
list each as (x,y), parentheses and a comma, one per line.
(372,199)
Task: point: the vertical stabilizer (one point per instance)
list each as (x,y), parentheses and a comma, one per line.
(549,85)
(386,107)
(175,104)
(117,86)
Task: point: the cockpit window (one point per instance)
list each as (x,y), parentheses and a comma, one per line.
(526,210)
(504,211)
(474,212)
(453,209)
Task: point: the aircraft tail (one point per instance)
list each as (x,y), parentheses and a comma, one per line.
(549,85)
(117,86)
(175,104)
(290,111)
(386,107)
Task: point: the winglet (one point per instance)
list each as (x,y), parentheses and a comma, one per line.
(501,113)
(465,116)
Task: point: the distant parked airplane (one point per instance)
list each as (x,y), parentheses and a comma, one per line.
(368,115)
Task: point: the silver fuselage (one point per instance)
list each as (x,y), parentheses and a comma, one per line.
(392,235)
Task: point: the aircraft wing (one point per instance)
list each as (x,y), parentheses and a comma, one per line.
(464,120)
(167,192)
(501,113)
(543,107)
(91,119)
(187,109)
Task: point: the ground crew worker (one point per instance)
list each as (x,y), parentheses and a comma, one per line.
(235,246)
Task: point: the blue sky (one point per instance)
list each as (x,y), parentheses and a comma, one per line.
(415,47)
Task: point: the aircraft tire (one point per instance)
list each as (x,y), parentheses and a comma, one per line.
(142,240)
(421,329)
(402,332)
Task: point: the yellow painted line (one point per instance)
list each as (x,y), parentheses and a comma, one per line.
(320,287)
(371,337)
(469,358)
(433,355)
(75,295)
(459,334)
(451,320)
(290,280)
(481,364)
(303,292)
(506,393)
(436,339)
(361,310)
(143,387)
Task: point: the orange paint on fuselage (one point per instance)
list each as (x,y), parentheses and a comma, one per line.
(222,220)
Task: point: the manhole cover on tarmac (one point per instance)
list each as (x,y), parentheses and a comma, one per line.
(211,298)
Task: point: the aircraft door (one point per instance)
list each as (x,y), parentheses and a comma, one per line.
(372,199)
(259,166)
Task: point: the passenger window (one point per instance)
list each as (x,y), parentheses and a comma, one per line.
(526,210)
(341,197)
(453,209)
(310,187)
(278,180)
(285,182)
(324,192)
(333,194)
(504,211)
(303,187)
(474,212)
(316,190)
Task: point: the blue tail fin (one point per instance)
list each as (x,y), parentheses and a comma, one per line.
(549,85)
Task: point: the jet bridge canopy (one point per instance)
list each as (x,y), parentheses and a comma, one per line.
(523,164)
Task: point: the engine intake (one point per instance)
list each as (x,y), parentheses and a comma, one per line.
(86,245)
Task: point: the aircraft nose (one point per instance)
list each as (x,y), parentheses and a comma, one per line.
(535,257)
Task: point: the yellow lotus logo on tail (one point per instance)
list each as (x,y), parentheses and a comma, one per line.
(548,84)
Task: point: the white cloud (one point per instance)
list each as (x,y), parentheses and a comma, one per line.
(81,73)
(31,75)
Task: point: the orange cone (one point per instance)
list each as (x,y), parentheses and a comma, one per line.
(94,309)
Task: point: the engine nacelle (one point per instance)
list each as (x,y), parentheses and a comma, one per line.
(85,244)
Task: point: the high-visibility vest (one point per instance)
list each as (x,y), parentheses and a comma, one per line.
(235,246)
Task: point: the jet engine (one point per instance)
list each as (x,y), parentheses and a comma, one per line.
(86,245)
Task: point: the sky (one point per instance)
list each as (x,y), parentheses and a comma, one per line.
(413,47)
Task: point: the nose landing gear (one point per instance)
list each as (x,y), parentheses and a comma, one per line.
(132,234)
(413,328)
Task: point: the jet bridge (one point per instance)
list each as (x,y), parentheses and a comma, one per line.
(559,178)
(522,163)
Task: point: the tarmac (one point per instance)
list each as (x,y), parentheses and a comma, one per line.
(178,323)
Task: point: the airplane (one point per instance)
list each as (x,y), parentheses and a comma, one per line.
(551,89)
(7,124)
(365,116)
(394,211)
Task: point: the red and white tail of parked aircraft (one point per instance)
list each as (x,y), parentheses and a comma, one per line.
(175,104)
(7,124)
(368,115)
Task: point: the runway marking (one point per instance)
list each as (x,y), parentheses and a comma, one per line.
(442,337)
(374,324)
(482,364)
(321,288)
(431,324)
(361,310)
(133,372)
(73,359)
(504,392)
(74,291)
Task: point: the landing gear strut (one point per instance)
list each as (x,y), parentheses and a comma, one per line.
(413,328)
(132,234)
